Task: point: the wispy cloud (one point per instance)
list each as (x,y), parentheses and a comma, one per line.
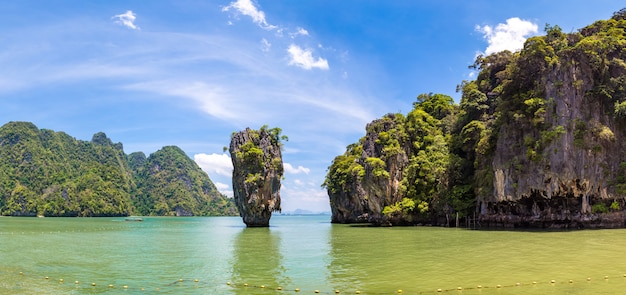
(126,19)
(249,8)
(265,45)
(508,36)
(299,32)
(290,169)
(304,58)
(218,164)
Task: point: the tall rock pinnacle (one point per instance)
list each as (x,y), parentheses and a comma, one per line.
(258,169)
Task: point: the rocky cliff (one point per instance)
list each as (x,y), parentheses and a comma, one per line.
(257,172)
(537,140)
(565,167)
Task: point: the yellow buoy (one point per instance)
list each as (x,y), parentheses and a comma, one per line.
(262,286)
(245,285)
(125,287)
(297,290)
(459,288)
(61,280)
(21,273)
(46,278)
(479,286)
(93,284)
(399,291)
(279,288)
(571,281)
(552,281)
(110,286)
(498,286)
(358,292)
(588,279)
(439,290)
(76,282)
(337,292)
(518,284)
(317,291)
(534,283)
(196,280)
(606,277)
(228,283)
(180,280)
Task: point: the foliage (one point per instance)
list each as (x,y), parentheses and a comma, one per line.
(49,173)
(451,148)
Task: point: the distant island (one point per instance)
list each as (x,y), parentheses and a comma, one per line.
(48,173)
(537,140)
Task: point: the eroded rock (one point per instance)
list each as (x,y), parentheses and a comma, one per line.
(257,171)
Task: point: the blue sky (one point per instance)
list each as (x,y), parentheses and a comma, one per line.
(191,72)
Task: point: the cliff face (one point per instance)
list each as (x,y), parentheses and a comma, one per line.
(565,167)
(257,171)
(570,181)
(373,184)
(391,176)
(538,140)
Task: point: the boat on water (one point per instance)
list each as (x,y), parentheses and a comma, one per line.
(133,219)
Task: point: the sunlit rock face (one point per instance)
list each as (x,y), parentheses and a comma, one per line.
(575,179)
(363,200)
(257,172)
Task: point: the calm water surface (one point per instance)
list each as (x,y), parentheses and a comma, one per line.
(168,255)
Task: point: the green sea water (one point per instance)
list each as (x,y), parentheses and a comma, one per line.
(219,255)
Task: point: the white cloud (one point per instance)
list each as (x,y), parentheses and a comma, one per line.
(290,169)
(212,99)
(510,36)
(247,7)
(126,19)
(304,58)
(299,32)
(265,45)
(215,163)
(221,186)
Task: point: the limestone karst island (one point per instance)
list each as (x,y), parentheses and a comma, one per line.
(538,139)
(257,171)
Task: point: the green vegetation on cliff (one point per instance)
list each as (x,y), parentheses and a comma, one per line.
(49,173)
(551,119)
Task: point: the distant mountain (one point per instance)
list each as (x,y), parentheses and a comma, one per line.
(49,173)
(304,212)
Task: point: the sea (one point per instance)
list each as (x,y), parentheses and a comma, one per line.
(300,255)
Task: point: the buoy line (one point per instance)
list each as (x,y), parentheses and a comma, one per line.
(21,279)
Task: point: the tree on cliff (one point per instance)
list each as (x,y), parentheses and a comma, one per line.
(539,131)
(257,172)
(49,173)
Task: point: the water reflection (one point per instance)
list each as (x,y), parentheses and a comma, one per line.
(347,268)
(257,260)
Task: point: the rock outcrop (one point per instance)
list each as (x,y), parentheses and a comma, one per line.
(565,165)
(257,172)
(363,198)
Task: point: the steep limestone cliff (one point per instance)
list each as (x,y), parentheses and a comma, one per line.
(257,172)
(564,166)
(538,140)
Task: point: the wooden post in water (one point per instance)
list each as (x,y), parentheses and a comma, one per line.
(457,219)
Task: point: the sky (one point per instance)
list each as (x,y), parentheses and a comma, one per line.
(189,73)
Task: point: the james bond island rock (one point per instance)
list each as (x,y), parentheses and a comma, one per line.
(538,140)
(257,171)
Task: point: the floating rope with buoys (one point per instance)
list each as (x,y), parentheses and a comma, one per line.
(21,281)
